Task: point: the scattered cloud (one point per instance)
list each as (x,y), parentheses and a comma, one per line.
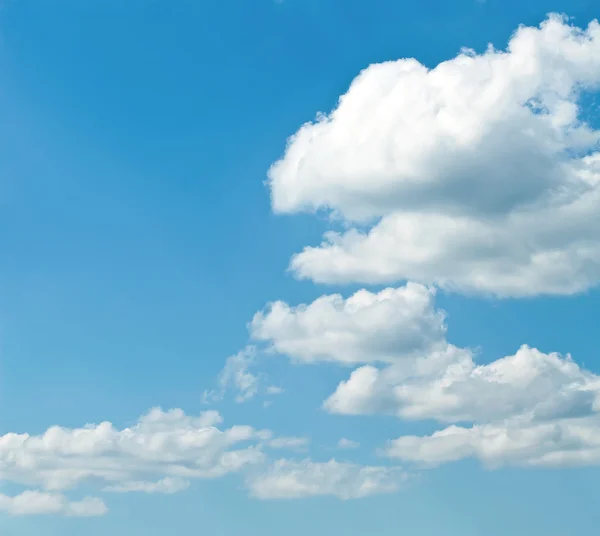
(286,479)
(518,441)
(478,175)
(236,375)
(294,443)
(162,453)
(347,444)
(168,485)
(43,503)
(159,454)
(410,370)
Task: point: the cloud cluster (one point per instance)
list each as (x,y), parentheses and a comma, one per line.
(159,454)
(530,407)
(161,444)
(479,175)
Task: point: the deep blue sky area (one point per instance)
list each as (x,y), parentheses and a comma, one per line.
(138,241)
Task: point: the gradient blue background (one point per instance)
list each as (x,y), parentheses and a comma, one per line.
(137,241)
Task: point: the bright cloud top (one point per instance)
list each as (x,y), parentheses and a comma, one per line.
(160,444)
(366,327)
(479,174)
(546,386)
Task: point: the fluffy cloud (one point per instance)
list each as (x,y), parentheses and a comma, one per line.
(410,370)
(43,503)
(161,453)
(287,479)
(366,327)
(168,445)
(530,408)
(547,386)
(478,175)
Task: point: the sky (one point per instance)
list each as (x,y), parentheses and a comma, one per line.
(299,266)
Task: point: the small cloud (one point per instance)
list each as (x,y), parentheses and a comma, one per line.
(289,443)
(347,444)
(166,485)
(45,503)
(288,479)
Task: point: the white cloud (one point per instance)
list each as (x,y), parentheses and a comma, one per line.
(297,443)
(166,485)
(364,328)
(287,479)
(347,444)
(162,453)
(164,445)
(510,401)
(236,375)
(456,389)
(44,503)
(518,441)
(410,370)
(530,408)
(476,175)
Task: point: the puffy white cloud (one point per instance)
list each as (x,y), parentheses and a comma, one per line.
(166,445)
(345,443)
(454,388)
(44,503)
(287,479)
(518,441)
(410,370)
(530,408)
(477,175)
(366,327)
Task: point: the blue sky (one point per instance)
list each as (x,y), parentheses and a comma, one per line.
(143,226)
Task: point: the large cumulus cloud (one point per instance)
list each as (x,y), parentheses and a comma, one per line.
(478,175)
